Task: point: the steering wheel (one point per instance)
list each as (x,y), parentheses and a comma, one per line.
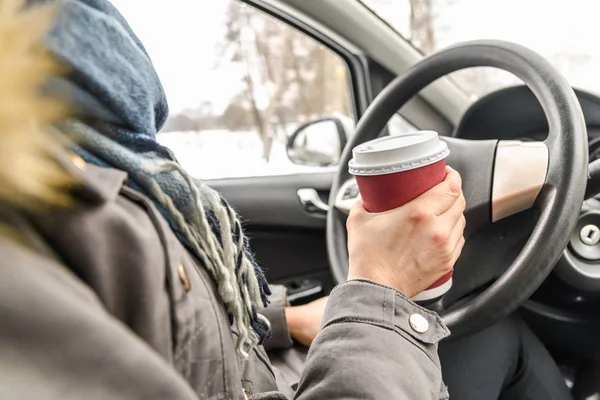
(500,178)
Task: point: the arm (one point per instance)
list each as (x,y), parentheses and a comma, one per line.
(302,323)
(276,314)
(58,341)
(367,349)
(374,342)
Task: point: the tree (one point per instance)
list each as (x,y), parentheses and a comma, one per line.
(475,81)
(196,119)
(421,25)
(287,76)
(424,28)
(249,41)
(178,123)
(237,115)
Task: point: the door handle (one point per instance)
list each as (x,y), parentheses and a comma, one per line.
(311,201)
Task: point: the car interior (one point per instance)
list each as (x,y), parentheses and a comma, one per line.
(533,213)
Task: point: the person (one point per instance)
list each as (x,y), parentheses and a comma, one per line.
(122,277)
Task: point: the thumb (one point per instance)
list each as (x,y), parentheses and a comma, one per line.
(358,209)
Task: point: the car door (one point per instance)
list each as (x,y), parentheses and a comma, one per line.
(242,79)
(288,237)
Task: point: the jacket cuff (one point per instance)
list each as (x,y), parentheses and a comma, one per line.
(368,302)
(275,313)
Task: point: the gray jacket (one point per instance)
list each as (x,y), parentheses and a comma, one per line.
(103,302)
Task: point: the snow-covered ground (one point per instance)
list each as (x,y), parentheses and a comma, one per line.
(223,154)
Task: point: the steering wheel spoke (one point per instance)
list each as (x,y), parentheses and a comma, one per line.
(474,160)
(500,178)
(520,170)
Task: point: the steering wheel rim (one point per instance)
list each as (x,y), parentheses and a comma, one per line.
(559,198)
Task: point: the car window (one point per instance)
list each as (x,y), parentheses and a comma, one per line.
(239,84)
(571,46)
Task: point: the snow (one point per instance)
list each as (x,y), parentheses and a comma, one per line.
(218,154)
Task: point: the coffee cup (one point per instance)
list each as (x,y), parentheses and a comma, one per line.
(393,170)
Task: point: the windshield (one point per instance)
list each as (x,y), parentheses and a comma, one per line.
(564,32)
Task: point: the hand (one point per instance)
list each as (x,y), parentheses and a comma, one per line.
(410,247)
(304,321)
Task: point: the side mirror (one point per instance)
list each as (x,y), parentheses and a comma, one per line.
(317,143)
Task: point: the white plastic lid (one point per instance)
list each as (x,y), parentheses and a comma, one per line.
(397,153)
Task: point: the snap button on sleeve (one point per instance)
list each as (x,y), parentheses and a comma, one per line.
(418,323)
(184,278)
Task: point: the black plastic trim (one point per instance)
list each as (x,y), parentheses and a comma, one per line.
(271,201)
(341,131)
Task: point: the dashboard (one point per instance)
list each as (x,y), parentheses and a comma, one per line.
(563,312)
(514,113)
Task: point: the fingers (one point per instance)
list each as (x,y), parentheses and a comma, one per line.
(455,221)
(454,213)
(357,208)
(457,232)
(457,238)
(458,250)
(440,198)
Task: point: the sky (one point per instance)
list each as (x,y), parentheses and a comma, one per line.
(557,29)
(545,25)
(182,37)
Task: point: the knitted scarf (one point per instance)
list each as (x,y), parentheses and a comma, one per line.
(121,105)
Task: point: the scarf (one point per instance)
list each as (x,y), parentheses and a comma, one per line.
(120,106)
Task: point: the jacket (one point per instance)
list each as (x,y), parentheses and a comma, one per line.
(103,302)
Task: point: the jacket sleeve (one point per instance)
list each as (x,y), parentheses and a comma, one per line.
(275,313)
(374,344)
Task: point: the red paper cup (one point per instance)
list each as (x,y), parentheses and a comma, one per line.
(393,170)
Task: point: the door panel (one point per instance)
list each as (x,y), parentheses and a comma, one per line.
(290,256)
(272,201)
(288,243)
